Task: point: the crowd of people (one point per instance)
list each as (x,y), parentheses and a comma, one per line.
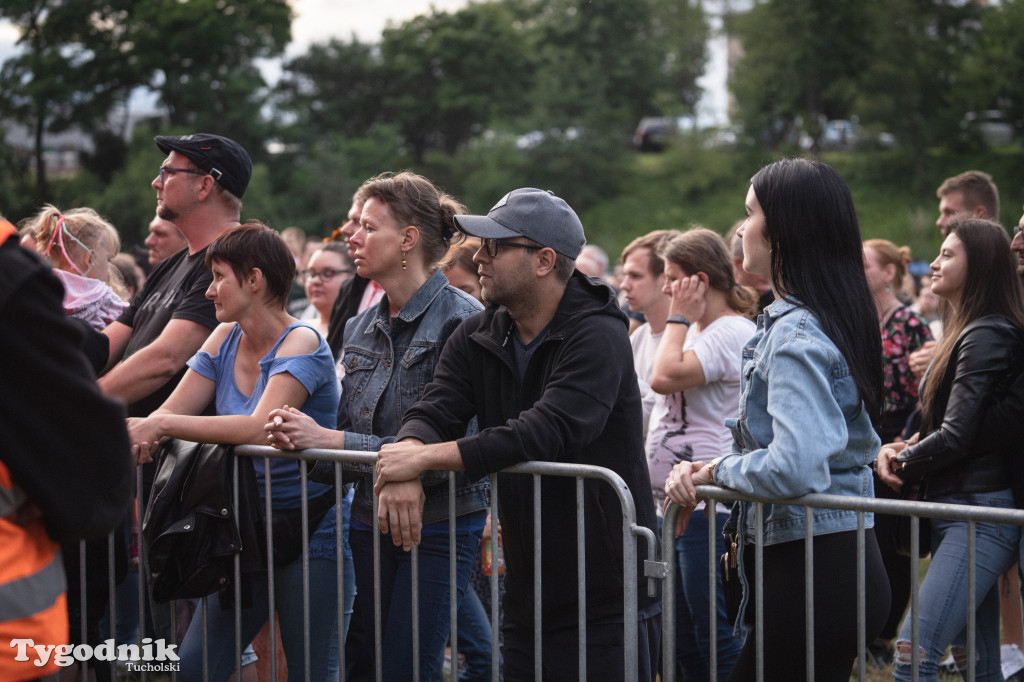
(790,357)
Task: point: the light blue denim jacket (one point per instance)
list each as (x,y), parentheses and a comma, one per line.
(388,362)
(802,428)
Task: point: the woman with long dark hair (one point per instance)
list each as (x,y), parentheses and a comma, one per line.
(810,394)
(951,460)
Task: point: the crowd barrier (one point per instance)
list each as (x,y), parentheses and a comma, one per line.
(659,565)
(915,510)
(630,533)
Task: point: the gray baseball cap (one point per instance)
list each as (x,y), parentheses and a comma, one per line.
(536,214)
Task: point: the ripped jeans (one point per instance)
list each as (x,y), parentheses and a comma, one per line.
(942,602)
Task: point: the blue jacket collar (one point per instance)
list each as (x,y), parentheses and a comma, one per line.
(414,307)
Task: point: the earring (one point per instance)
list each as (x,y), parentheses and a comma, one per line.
(403,260)
(887,289)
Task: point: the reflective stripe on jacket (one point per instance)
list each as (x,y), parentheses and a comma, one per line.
(32,600)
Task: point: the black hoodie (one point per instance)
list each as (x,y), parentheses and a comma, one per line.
(580,404)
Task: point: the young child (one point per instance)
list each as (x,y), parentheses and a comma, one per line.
(80,245)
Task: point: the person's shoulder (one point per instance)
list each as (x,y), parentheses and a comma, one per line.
(300,339)
(19,265)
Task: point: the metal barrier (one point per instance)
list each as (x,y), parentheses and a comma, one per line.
(915,510)
(654,570)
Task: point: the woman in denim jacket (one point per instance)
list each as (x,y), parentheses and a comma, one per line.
(389,355)
(811,390)
(953,460)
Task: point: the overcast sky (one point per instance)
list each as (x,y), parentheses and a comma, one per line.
(317,21)
(320,20)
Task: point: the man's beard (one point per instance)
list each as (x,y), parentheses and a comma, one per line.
(167,214)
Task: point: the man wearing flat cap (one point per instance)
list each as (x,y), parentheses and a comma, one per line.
(547,369)
(199,187)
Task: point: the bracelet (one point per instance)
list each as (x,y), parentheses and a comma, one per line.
(677,319)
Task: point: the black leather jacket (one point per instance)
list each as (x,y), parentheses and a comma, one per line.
(954,455)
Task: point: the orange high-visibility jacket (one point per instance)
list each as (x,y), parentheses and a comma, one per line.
(33,604)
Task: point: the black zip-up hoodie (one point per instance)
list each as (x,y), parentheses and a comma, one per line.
(579,403)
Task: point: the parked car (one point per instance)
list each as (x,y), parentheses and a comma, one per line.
(991,126)
(652,133)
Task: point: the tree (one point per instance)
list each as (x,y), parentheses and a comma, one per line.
(800,65)
(335,87)
(200,57)
(913,84)
(447,76)
(70,69)
(992,74)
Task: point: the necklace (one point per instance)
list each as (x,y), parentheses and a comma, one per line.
(884,317)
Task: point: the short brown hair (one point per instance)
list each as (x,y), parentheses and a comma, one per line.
(653,241)
(977,188)
(254,245)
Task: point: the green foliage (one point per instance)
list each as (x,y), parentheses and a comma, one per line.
(70,69)
(445,76)
(799,63)
(335,87)
(199,55)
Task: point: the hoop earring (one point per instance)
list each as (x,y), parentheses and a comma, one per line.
(403,260)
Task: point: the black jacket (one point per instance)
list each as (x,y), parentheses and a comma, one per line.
(955,454)
(192,533)
(579,403)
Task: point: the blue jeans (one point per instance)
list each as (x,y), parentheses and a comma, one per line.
(474,629)
(942,601)
(323,623)
(693,633)
(396,603)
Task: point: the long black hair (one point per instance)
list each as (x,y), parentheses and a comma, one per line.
(817,258)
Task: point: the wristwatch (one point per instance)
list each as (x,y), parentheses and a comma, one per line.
(711,468)
(678,319)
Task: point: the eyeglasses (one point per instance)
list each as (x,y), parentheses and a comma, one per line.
(167,169)
(491,245)
(1016,230)
(324,275)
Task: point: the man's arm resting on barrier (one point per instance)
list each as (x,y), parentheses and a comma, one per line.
(400,508)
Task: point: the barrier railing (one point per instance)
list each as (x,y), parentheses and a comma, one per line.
(915,510)
(654,570)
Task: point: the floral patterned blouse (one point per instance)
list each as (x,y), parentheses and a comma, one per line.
(904,332)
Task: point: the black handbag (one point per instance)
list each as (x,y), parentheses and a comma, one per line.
(190,529)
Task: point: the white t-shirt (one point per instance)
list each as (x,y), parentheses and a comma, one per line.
(690,425)
(645,344)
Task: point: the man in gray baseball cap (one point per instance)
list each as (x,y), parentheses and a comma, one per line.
(547,370)
(536,214)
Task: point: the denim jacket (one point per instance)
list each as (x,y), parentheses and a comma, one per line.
(802,428)
(378,389)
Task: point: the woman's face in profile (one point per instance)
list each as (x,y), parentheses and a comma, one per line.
(756,251)
(949,269)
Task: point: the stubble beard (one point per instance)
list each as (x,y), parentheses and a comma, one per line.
(167,214)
